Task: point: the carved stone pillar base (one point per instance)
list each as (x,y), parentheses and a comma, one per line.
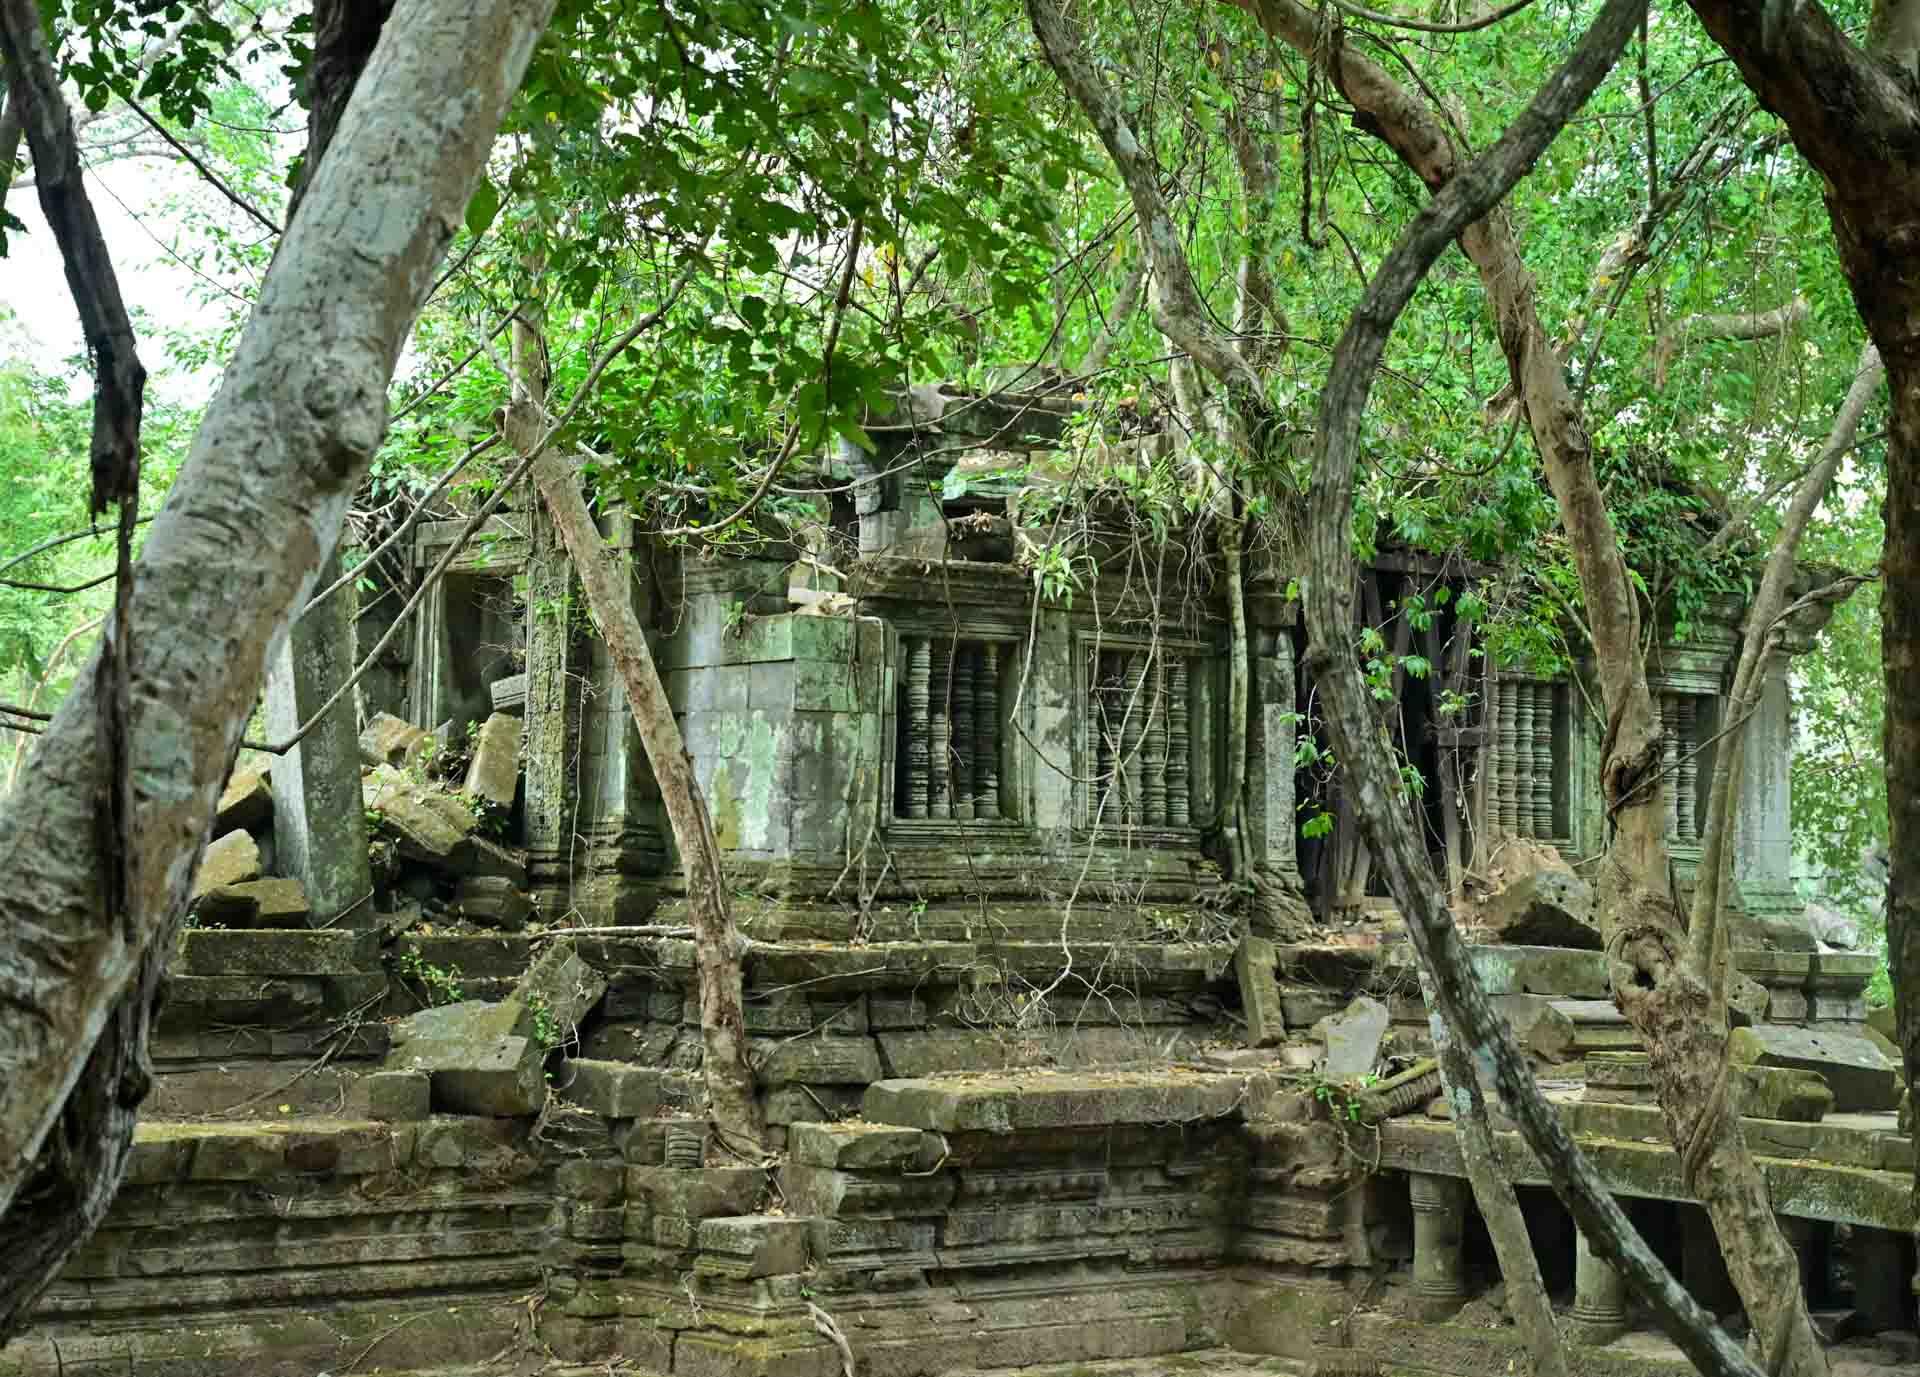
(1439,1221)
(1599,1297)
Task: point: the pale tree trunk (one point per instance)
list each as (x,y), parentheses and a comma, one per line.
(229,559)
(608,587)
(1665,999)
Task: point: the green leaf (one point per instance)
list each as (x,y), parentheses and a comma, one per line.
(482,209)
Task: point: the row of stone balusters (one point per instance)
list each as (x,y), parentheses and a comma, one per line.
(1679,765)
(1522,793)
(1138,742)
(952,756)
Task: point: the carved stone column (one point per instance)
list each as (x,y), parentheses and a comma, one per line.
(1599,1296)
(554,664)
(1274,829)
(320,825)
(1763,836)
(1439,1220)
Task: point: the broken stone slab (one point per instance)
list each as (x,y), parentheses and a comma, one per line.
(503,1077)
(494,772)
(1558,971)
(389,740)
(229,860)
(493,901)
(1353,1037)
(1254,966)
(246,803)
(491,859)
(278,951)
(556,994)
(862,1146)
(1547,908)
(1780,1092)
(428,824)
(272,902)
(1861,1077)
(1569,1028)
(1037,1100)
(194,1001)
(472,1019)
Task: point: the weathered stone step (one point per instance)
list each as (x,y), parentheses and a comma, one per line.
(1043,1100)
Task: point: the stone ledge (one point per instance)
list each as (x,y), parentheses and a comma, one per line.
(1037,1100)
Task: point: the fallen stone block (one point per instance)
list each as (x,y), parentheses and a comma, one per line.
(1780,1092)
(1353,1037)
(279,951)
(1547,908)
(427,824)
(753,1245)
(1861,1077)
(1254,965)
(502,1077)
(398,1096)
(493,901)
(272,902)
(494,772)
(229,860)
(491,858)
(245,804)
(388,740)
(1566,1029)
(1558,971)
(558,992)
(475,1019)
(193,1001)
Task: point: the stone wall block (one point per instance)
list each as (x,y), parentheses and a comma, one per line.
(757,1245)
(493,774)
(333,951)
(613,1089)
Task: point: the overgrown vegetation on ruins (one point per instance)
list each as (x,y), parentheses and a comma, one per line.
(688,268)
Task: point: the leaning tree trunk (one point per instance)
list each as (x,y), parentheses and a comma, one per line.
(1380,794)
(227,563)
(717,947)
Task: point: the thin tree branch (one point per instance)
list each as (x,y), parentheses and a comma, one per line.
(219,184)
(55,541)
(119,378)
(1740,325)
(405,526)
(1474,25)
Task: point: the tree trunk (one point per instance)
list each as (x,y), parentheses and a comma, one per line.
(608,589)
(1380,798)
(717,946)
(1494,1194)
(229,560)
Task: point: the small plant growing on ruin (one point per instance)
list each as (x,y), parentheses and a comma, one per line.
(441,984)
(546,1027)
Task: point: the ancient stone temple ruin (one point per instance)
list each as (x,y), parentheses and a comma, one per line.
(1038,1097)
